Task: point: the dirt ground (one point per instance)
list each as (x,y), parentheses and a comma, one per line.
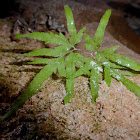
(116,115)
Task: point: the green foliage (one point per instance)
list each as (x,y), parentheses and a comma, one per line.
(70,21)
(95,43)
(101,29)
(71,65)
(107,76)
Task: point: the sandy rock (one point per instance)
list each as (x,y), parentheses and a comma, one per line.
(114,116)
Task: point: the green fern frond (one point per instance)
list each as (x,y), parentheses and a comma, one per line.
(71,65)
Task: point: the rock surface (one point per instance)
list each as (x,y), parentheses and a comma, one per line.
(115,115)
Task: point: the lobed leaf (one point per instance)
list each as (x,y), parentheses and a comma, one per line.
(90,43)
(86,67)
(82,70)
(36,35)
(69,90)
(94,84)
(62,38)
(59,40)
(78,73)
(110,50)
(48,38)
(61,67)
(80,64)
(32,89)
(88,39)
(107,76)
(57,51)
(101,29)
(76,38)
(94,64)
(124,61)
(127,73)
(101,58)
(39,52)
(84,59)
(70,65)
(89,63)
(41,61)
(129,84)
(70,20)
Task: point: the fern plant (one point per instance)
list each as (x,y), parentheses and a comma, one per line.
(64,59)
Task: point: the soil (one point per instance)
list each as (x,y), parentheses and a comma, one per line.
(116,115)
